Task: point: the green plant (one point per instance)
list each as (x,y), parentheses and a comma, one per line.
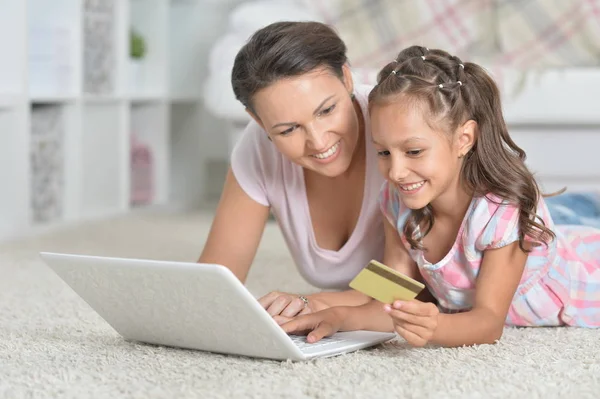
(137,45)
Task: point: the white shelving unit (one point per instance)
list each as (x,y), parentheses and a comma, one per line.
(85,132)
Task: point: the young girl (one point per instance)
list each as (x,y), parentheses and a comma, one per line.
(463,211)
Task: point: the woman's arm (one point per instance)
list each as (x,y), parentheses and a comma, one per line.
(236,230)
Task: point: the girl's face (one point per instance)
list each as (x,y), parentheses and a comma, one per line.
(421,162)
(311,120)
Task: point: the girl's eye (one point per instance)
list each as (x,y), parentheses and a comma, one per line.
(383,153)
(288,131)
(414,153)
(327,111)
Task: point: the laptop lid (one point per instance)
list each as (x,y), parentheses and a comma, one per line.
(187,305)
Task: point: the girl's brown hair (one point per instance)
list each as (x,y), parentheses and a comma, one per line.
(452,92)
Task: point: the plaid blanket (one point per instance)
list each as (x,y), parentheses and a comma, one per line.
(519,34)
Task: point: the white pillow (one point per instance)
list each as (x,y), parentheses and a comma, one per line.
(223,52)
(219,98)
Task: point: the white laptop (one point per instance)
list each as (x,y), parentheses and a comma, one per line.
(190,305)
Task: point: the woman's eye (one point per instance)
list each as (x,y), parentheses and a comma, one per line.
(328,110)
(288,131)
(414,153)
(383,153)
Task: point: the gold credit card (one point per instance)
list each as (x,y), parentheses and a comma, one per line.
(385,284)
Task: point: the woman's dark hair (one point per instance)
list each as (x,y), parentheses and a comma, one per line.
(283,50)
(451,92)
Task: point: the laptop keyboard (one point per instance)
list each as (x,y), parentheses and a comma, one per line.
(300,341)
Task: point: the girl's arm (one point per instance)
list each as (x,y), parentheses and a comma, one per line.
(236,231)
(497,282)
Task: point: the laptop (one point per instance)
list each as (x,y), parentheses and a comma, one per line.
(190,305)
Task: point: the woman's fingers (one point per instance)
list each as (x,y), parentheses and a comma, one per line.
(279,304)
(296,306)
(284,304)
(266,300)
(281,319)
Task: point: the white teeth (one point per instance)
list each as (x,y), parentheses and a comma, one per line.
(412,186)
(329,152)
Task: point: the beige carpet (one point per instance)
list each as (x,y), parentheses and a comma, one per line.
(52,345)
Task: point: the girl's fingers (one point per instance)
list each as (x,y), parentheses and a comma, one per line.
(407,318)
(302,324)
(410,337)
(323,330)
(417,308)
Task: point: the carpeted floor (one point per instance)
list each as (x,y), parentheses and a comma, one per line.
(52,345)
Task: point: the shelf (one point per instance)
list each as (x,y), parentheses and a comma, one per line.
(54,36)
(148,18)
(52,99)
(100,48)
(186,167)
(9,101)
(48,136)
(104,153)
(186,99)
(71,98)
(146,98)
(187,39)
(13,49)
(102,99)
(13,171)
(150,140)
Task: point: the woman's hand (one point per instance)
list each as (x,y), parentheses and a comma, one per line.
(316,325)
(415,321)
(284,306)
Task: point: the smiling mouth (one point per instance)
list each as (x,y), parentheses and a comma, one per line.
(411,187)
(329,153)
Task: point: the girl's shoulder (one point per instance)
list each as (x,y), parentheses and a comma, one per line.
(493,222)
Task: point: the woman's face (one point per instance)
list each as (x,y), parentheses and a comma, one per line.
(311,120)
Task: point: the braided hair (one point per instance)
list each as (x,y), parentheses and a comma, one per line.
(452,92)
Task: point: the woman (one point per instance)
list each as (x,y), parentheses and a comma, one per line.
(307,157)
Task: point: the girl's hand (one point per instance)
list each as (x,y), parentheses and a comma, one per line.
(415,321)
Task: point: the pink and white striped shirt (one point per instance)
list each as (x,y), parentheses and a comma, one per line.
(560,283)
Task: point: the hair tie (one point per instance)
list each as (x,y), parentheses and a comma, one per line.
(423,57)
(462,66)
